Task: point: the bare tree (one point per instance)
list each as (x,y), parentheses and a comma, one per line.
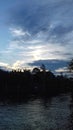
(43,68)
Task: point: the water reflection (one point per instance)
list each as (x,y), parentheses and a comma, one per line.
(40,114)
(71,113)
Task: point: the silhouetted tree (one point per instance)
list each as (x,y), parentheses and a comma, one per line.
(35,70)
(43,68)
(70,66)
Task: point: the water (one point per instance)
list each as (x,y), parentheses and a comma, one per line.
(51,114)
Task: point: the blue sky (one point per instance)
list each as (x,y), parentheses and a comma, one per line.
(33,32)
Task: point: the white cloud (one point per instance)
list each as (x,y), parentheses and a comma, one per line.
(17,32)
(35,48)
(3,64)
(63,69)
(18,64)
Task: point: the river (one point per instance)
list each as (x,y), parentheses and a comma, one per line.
(54,113)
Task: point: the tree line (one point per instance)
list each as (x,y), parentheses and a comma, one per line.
(18,85)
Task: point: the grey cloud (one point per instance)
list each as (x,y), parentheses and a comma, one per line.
(61,30)
(65,54)
(51,17)
(51,64)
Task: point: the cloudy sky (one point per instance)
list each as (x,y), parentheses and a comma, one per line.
(33,32)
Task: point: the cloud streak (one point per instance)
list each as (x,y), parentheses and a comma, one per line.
(36,16)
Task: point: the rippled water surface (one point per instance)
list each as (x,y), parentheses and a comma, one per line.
(50,114)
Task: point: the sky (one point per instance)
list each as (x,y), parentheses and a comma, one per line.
(35,32)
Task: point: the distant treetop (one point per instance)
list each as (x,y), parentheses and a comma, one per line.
(70,66)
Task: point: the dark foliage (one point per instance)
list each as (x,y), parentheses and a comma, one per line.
(17,86)
(70,66)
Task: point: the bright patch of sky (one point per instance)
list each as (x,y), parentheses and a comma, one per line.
(35,30)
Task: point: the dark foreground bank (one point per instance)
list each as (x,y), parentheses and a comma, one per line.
(21,85)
